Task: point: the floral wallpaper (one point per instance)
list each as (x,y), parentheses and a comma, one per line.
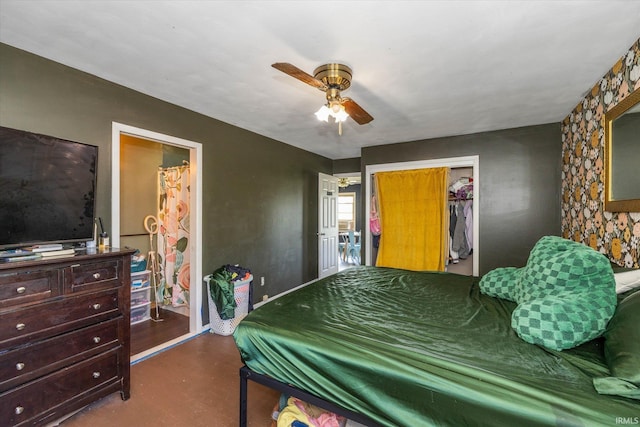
(616,234)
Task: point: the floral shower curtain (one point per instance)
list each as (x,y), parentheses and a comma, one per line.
(173,235)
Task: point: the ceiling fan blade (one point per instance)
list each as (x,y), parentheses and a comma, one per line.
(356,112)
(296,72)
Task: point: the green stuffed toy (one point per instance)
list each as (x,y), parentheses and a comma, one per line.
(566,293)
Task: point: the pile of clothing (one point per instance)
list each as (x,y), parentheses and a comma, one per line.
(221,288)
(462,189)
(138,262)
(293,412)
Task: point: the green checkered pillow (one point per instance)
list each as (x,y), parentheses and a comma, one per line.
(565,294)
(546,273)
(501,282)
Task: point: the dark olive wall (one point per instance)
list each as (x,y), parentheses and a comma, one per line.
(346,165)
(260,195)
(519,191)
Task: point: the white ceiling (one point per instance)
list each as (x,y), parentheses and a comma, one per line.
(422,69)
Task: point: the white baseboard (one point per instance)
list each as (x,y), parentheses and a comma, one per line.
(261,303)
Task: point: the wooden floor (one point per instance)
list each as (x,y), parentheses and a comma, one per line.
(192,384)
(151,333)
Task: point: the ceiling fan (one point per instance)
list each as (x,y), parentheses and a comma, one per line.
(331,79)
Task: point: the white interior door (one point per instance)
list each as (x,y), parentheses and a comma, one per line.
(327,225)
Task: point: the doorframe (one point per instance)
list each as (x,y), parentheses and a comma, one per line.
(195,220)
(450,162)
(351,175)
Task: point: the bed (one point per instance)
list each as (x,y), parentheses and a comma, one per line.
(405,348)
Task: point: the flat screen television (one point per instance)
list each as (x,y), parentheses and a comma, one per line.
(47,189)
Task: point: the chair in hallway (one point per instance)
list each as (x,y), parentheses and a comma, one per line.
(342,247)
(353,248)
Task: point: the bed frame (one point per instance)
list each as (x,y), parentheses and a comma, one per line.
(247,374)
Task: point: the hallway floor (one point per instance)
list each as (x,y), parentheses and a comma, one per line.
(192,384)
(344,264)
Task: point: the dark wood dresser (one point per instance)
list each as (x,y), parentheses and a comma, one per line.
(64,334)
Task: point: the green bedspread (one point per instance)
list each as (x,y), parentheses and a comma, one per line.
(417,349)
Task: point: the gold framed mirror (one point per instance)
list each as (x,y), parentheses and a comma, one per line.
(622,155)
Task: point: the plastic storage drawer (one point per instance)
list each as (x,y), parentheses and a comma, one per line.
(140,296)
(140,313)
(140,279)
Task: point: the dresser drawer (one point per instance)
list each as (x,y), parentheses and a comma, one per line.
(24,404)
(31,361)
(95,275)
(28,285)
(45,320)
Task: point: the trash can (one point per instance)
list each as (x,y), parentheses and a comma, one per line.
(241,293)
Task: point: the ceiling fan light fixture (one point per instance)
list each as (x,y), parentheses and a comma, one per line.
(323,113)
(341,115)
(343,182)
(335,110)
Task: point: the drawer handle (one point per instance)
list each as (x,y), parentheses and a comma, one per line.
(96,340)
(19,410)
(21,290)
(96,306)
(20,326)
(96,276)
(96,375)
(19,366)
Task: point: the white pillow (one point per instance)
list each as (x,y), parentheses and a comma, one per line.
(627,280)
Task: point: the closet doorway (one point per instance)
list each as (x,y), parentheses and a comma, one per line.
(139,157)
(470,164)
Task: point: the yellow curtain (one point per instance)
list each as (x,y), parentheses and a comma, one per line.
(414,217)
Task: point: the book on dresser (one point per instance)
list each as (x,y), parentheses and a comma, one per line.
(66,343)
(45,247)
(57,253)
